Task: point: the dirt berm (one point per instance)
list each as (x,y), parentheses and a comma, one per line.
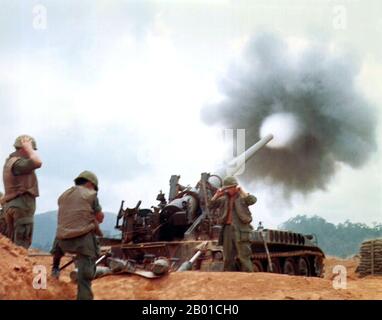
(16,282)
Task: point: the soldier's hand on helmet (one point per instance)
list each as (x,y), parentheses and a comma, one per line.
(26,143)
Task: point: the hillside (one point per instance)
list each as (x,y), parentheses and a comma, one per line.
(45,229)
(341,240)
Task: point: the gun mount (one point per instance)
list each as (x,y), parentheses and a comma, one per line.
(176,227)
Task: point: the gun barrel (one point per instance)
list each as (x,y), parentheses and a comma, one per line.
(235,164)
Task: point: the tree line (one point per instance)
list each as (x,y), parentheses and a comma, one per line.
(341,240)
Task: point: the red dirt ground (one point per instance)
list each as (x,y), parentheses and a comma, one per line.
(16,278)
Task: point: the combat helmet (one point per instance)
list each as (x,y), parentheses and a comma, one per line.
(18,144)
(89,176)
(230,181)
(160,266)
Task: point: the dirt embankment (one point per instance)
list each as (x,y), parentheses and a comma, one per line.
(16,282)
(17,276)
(230,285)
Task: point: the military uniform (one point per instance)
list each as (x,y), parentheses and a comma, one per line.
(76,233)
(3,222)
(58,253)
(236,225)
(21,190)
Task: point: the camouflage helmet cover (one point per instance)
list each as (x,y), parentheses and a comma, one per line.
(18,140)
(230,181)
(89,176)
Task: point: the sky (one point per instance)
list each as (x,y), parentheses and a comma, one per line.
(117,87)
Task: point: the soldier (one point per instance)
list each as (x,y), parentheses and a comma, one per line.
(21,190)
(3,222)
(236,222)
(79,214)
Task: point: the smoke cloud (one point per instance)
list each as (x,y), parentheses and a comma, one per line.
(309,100)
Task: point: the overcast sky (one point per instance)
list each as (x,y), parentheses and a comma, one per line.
(116,87)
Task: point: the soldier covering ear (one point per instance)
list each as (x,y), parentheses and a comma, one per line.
(235,218)
(21,190)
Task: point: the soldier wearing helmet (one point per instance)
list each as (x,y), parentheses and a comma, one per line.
(236,219)
(79,215)
(21,190)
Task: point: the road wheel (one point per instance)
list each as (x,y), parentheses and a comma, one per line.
(303,267)
(257,266)
(289,267)
(319,266)
(275,266)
